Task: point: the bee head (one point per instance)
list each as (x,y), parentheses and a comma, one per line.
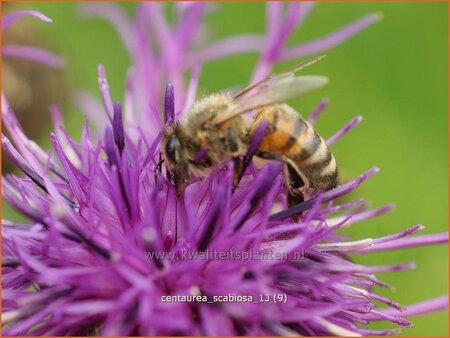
(173,152)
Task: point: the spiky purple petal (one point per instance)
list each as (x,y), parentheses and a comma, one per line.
(119,137)
(35,54)
(10,18)
(169,108)
(330,40)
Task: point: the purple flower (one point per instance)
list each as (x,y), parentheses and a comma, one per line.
(109,249)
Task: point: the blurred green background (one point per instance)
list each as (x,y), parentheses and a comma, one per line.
(394,74)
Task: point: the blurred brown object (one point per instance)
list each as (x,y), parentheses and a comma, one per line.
(29,87)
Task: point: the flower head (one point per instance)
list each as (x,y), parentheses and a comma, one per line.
(109,248)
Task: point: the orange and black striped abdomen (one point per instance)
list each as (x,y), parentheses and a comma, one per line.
(290,136)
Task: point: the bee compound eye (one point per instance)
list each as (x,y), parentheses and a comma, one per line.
(173,148)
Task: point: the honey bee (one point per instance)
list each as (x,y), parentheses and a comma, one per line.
(215,130)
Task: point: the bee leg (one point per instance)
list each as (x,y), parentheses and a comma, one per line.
(295,198)
(294,183)
(292,179)
(237,172)
(233,146)
(178,187)
(233,141)
(269,156)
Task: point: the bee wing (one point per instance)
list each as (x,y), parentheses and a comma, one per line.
(279,89)
(287,73)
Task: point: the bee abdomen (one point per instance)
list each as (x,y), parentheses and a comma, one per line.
(317,163)
(290,136)
(311,155)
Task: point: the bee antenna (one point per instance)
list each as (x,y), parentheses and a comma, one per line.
(307,63)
